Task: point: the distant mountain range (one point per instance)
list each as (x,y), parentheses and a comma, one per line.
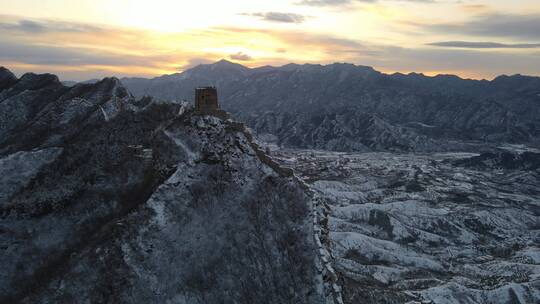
(356,108)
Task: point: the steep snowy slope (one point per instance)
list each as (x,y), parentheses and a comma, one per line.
(106,199)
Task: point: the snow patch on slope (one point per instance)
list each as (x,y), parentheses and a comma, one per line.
(19,168)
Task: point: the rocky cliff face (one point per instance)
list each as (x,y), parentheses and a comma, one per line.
(411,107)
(105,198)
(339,131)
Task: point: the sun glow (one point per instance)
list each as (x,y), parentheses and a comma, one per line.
(93,38)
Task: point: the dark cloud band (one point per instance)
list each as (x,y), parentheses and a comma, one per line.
(484,45)
(278,17)
(240,57)
(345,2)
(39,27)
(493,25)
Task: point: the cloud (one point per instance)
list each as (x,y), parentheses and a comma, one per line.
(465,62)
(29,53)
(524,26)
(240,56)
(193,62)
(278,17)
(475,8)
(72,49)
(297,38)
(82,51)
(327,2)
(484,45)
(39,27)
(346,2)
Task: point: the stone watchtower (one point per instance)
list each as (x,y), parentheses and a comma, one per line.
(206,103)
(206,99)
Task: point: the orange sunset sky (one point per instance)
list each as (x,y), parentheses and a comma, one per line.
(83,39)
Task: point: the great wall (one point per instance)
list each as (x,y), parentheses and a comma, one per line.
(206,103)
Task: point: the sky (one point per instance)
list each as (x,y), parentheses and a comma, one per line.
(84,39)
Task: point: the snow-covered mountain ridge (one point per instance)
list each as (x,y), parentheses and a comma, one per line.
(106,198)
(346,107)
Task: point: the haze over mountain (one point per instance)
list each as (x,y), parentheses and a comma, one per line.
(356,108)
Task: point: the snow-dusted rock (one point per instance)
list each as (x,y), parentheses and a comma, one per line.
(104,198)
(429,228)
(20,168)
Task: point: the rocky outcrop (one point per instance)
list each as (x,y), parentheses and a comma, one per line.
(6,78)
(319,212)
(343,130)
(105,198)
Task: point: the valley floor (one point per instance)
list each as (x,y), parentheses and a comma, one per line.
(418,227)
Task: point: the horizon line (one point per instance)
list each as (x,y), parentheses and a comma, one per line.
(424,74)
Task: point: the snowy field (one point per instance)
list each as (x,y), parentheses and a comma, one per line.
(420,228)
